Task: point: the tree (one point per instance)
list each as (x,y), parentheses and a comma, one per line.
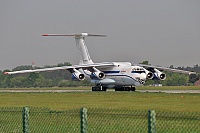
(175,79)
(145,62)
(5,81)
(17,81)
(193,78)
(25,67)
(31,79)
(40,81)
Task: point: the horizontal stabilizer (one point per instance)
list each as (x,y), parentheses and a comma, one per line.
(76,35)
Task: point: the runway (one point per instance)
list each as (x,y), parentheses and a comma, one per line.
(170,91)
(110,90)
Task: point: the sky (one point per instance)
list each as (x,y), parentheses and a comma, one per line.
(163,32)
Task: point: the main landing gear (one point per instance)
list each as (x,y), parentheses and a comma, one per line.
(125,88)
(99,87)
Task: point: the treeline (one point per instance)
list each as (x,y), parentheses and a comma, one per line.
(62,78)
(59,78)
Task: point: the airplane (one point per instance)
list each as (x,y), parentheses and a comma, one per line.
(122,76)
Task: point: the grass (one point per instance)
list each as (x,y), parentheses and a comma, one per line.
(113,100)
(117,113)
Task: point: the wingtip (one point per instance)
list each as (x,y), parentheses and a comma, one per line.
(45,35)
(6,73)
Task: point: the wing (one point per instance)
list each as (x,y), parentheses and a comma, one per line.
(168,69)
(83,66)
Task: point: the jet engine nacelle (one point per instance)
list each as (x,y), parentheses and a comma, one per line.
(159,75)
(97,75)
(149,74)
(76,75)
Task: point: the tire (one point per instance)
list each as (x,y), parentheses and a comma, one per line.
(93,88)
(104,89)
(133,88)
(99,88)
(119,89)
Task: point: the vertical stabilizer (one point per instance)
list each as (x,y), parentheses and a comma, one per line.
(80,43)
(83,51)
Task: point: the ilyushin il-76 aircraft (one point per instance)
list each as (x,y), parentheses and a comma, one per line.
(122,76)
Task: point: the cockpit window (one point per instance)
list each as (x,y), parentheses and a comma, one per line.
(138,70)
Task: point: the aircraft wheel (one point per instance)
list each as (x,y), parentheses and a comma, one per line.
(117,89)
(104,89)
(133,88)
(99,88)
(127,88)
(120,89)
(94,88)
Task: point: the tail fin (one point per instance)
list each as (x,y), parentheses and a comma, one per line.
(83,51)
(81,46)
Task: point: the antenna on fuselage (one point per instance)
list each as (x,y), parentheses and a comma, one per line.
(80,44)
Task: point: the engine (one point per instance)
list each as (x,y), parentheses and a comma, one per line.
(159,75)
(97,75)
(76,75)
(150,75)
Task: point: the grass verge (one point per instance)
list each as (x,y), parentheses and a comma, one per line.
(113,100)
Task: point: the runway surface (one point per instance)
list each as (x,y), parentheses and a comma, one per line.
(110,90)
(171,91)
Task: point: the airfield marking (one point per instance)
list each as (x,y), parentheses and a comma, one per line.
(60,91)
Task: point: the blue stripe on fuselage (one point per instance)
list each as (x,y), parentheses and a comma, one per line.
(107,72)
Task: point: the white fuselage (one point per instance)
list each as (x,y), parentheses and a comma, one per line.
(121,74)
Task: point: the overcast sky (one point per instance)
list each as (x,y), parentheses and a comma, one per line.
(164,32)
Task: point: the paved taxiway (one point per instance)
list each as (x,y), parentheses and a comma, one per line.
(150,91)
